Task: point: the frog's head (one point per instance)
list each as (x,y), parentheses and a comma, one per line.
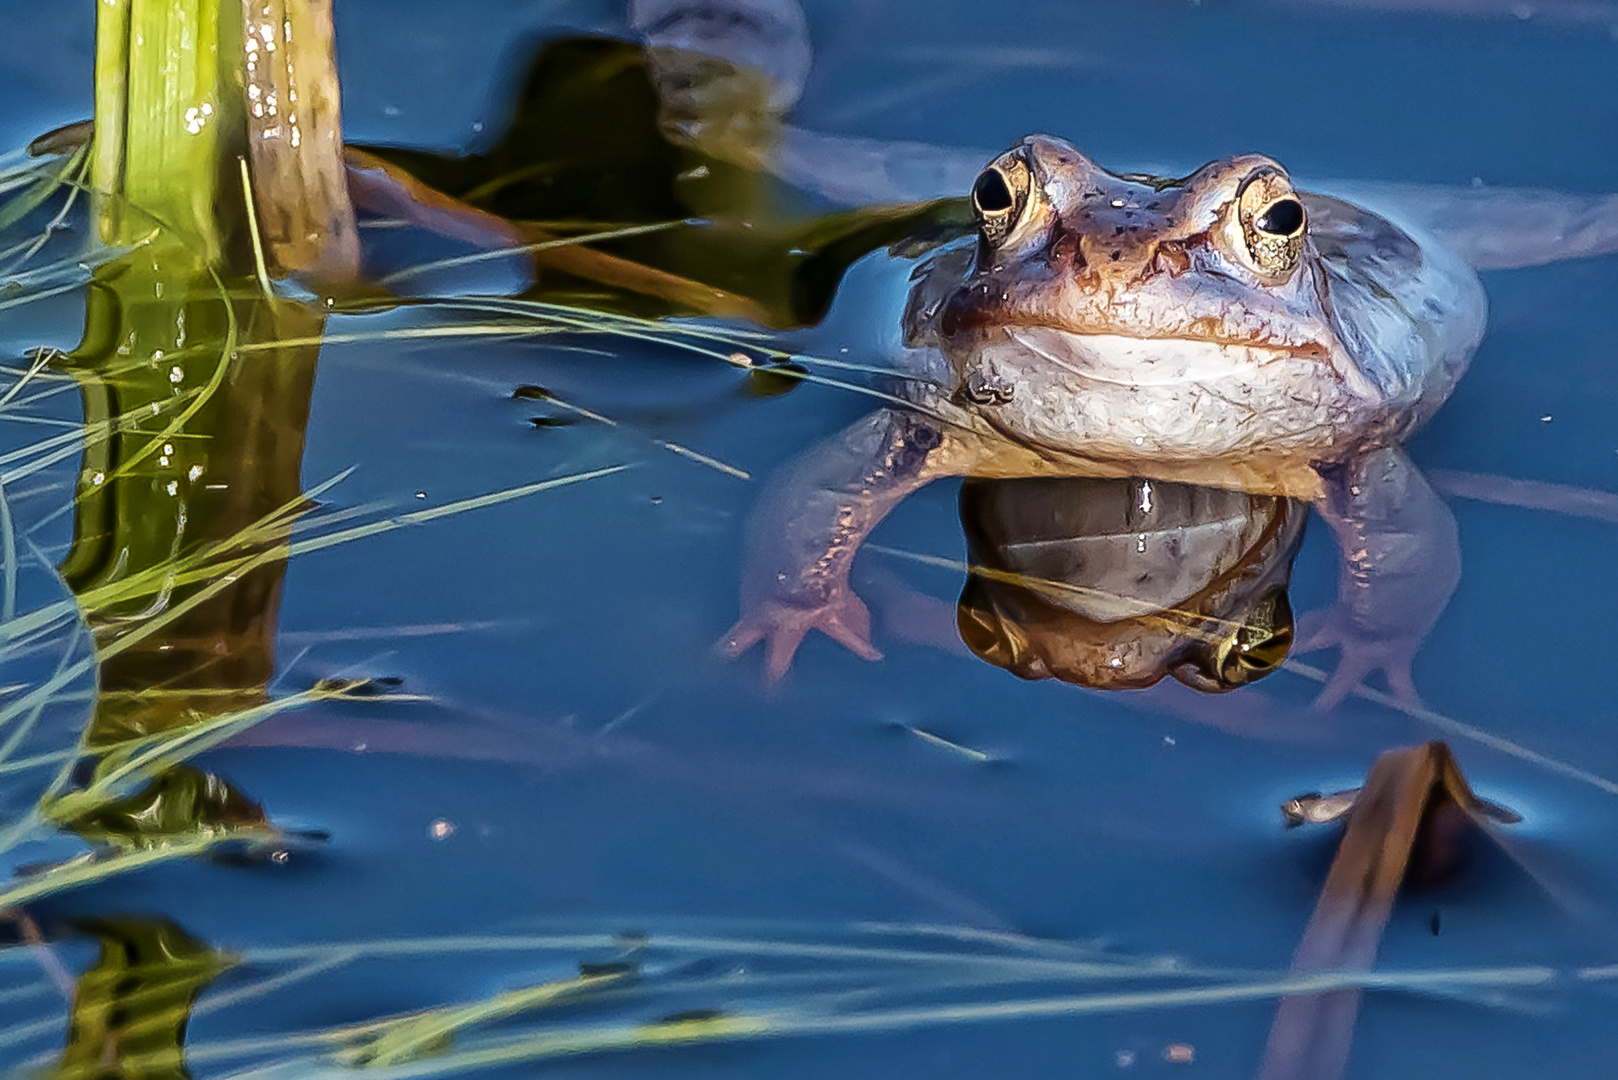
(1221,257)
(1139,318)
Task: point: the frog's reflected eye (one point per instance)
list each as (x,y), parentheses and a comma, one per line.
(1273,223)
(1259,645)
(998,197)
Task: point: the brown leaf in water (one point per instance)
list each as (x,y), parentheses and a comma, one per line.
(1412,795)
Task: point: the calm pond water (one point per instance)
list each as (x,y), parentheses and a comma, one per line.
(565,764)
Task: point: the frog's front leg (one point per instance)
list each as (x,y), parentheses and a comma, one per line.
(1401,562)
(815,513)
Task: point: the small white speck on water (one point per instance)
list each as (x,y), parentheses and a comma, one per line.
(1124,1059)
(1547,418)
(441,829)
(421,494)
(1168,740)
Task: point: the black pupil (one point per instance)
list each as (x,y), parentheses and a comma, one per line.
(1281,219)
(990,193)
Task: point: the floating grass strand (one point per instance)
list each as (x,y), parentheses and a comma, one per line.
(214,563)
(1038,584)
(25,993)
(263,987)
(814,980)
(536,311)
(472,1051)
(34,1029)
(143,758)
(41,359)
(375,528)
(44,179)
(48,450)
(8,553)
(421,517)
(25,252)
(29,717)
(1461,730)
(42,421)
(33,296)
(678,335)
(673,448)
(260,269)
(204,394)
(406,333)
(1443,723)
(413,1037)
(88,870)
(524,249)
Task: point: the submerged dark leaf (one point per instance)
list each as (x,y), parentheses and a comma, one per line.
(182,803)
(373,686)
(589,141)
(774,380)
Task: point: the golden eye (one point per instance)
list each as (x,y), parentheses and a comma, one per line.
(995,639)
(998,197)
(1259,645)
(1273,223)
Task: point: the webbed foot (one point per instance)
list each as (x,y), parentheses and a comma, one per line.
(1358,656)
(782,627)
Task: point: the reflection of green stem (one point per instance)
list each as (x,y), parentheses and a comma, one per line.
(201,445)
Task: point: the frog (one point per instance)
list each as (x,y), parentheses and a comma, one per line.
(1222,328)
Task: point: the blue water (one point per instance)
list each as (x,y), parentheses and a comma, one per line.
(602,769)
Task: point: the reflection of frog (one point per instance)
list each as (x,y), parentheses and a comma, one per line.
(1117,583)
(1222,330)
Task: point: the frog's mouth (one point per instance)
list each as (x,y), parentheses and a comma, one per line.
(1171,362)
